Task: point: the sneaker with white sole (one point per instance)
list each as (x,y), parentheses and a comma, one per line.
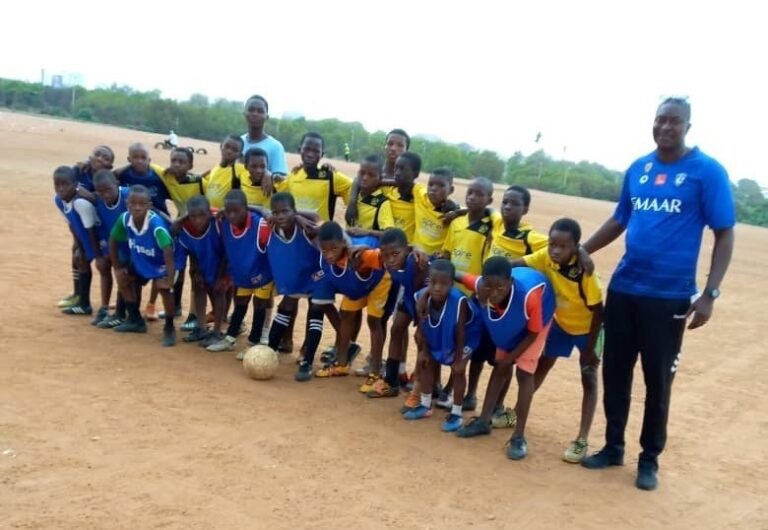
(68,301)
(445,400)
(506,419)
(576,451)
(225,344)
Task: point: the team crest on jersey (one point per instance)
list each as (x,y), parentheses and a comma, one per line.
(661,179)
(317,276)
(483,229)
(680,178)
(643,179)
(573,273)
(648,167)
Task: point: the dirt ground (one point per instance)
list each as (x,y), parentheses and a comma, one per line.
(106,431)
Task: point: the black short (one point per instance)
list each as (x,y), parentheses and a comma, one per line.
(486,352)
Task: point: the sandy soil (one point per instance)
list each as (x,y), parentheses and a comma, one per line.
(101,431)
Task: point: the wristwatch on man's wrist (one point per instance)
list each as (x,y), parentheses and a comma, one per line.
(712,292)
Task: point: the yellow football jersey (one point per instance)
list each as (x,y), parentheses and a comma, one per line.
(518,243)
(374,212)
(312,193)
(218,182)
(403,208)
(574,291)
(469,244)
(430,233)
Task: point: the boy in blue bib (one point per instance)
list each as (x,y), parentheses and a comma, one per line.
(111,203)
(83,223)
(447,336)
(151,259)
(200,239)
(517,310)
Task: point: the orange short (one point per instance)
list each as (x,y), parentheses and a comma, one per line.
(528,361)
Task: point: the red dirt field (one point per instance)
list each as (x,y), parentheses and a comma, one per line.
(99,430)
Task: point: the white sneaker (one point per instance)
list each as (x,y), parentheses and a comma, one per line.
(225,344)
(264,336)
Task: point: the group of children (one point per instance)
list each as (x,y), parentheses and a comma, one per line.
(480,286)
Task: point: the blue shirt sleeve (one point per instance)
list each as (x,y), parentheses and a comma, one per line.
(277,163)
(717,198)
(624,206)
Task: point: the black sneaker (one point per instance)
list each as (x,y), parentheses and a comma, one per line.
(285,346)
(476,427)
(647,477)
(517,448)
(603,458)
(328,356)
(196,335)
(212,338)
(131,326)
(469,403)
(304,373)
(101,314)
(169,337)
(190,324)
(110,321)
(78,310)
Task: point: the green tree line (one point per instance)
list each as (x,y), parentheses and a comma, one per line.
(198,117)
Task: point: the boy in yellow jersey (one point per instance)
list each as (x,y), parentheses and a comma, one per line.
(257,189)
(226,176)
(182,186)
(577,323)
(397,142)
(469,237)
(180,183)
(315,188)
(401,195)
(512,238)
(467,244)
(374,209)
(374,216)
(256,162)
(430,205)
(400,191)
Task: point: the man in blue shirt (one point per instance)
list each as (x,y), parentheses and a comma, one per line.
(667,199)
(256,115)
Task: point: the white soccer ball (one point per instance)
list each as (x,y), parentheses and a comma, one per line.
(260,362)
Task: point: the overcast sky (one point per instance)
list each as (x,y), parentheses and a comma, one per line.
(587,74)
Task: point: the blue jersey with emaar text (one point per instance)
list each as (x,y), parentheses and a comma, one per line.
(665,207)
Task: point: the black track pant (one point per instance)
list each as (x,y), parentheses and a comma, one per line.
(653,328)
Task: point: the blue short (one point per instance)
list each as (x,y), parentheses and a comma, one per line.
(322,290)
(561,344)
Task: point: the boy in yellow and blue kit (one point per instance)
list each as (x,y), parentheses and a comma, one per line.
(577,322)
